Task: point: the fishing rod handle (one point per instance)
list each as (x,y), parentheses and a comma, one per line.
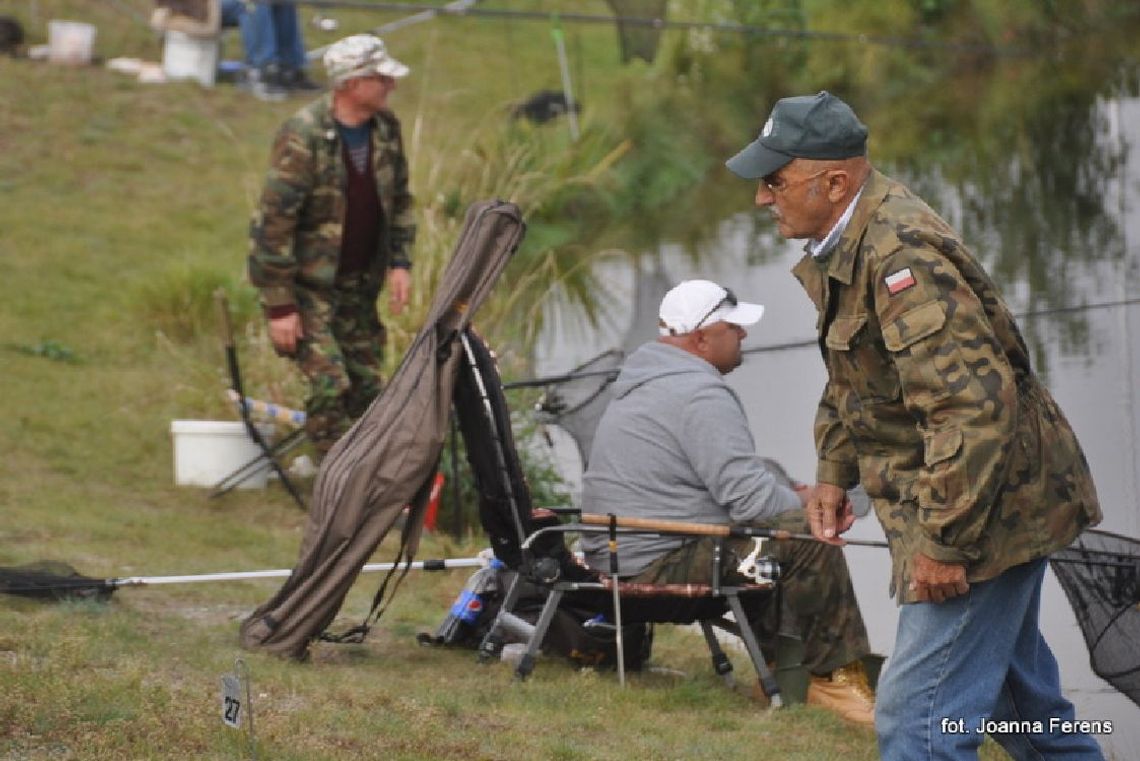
(649,524)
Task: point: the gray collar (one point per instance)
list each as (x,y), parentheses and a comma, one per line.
(821,248)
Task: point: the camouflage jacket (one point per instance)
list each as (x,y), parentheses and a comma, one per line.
(295,235)
(931,402)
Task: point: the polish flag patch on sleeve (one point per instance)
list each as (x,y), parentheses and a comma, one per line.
(897,282)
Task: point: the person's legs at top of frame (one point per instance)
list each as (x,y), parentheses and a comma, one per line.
(259,44)
(936,698)
(291,55)
(274,47)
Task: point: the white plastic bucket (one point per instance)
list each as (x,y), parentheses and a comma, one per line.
(206,451)
(70,42)
(186,57)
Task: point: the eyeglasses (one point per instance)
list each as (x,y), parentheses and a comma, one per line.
(777,185)
(729,299)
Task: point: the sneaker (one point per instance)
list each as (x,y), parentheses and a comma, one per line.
(297,81)
(845,692)
(263,84)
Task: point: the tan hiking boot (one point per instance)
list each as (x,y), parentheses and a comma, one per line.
(846,693)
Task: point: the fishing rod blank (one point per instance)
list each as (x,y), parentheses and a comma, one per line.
(419,565)
(711,529)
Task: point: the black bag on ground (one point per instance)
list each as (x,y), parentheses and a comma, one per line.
(579,634)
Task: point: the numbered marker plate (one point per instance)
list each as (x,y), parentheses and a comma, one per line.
(231,701)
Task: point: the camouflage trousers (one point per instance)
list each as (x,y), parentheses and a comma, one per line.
(340,355)
(815,600)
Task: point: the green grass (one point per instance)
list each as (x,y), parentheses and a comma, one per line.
(122,207)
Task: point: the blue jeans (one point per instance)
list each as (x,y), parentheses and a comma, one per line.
(270,33)
(976,664)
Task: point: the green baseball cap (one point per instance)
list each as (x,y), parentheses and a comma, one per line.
(817,126)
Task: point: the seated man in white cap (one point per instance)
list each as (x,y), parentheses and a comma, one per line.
(674,444)
(334,225)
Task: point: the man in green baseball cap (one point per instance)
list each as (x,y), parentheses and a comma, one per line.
(932,405)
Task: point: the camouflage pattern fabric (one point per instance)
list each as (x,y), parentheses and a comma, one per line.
(341,355)
(360,55)
(816,600)
(931,402)
(295,235)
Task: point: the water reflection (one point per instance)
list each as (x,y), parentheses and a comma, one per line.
(1046,196)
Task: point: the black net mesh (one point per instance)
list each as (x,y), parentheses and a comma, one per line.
(638,39)
(1100,573)
(576,402)
(51,580)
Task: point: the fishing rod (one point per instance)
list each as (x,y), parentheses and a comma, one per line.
(656,24)
(546,380)
(456,7)
(711,529)
(802,344)
(1020,316)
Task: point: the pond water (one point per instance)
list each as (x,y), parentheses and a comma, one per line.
(1056,225)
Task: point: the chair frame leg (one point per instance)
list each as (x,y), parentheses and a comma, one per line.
(767,680)
(267,459)
(492,642)
(721,664)
(526,664)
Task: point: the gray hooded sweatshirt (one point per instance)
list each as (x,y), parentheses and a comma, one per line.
(674,444)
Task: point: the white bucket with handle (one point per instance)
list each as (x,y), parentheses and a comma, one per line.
(206,451)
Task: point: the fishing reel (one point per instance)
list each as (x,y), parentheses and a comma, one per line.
(759,567)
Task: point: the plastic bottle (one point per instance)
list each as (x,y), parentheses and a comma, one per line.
(464,613)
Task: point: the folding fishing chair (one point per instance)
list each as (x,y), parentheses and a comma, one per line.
(270,454)
(532,545)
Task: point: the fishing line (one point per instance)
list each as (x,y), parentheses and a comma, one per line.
(1021,316)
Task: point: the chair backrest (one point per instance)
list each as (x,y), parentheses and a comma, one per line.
(485,422)
(506,511)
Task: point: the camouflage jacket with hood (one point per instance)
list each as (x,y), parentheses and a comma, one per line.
(931,402)
(295,235)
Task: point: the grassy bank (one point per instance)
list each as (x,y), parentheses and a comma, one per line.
(122,207)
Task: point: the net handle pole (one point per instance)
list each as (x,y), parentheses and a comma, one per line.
(419,565)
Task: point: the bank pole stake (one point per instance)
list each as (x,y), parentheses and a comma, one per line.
(564,70)
(236,705)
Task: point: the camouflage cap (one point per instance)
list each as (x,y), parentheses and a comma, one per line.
(360,55)
(817,126)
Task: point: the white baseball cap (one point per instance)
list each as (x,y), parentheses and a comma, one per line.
(698,303)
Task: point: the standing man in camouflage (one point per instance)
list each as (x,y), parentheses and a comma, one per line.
(932,404)
(335,221)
